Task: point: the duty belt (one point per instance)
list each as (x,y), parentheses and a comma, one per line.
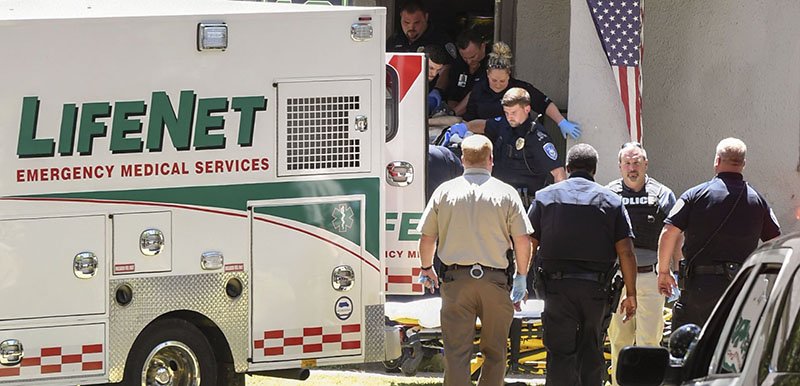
(599,277)
(714,269)
(475,270)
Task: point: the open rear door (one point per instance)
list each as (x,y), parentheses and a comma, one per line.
(405,157)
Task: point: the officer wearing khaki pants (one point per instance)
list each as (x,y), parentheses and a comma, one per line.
(648,202)
(475,217)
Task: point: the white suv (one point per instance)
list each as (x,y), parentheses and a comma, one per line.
(751,338)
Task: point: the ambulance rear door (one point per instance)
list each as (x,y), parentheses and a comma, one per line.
(406,161)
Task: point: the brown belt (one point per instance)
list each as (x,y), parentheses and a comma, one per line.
(646,268)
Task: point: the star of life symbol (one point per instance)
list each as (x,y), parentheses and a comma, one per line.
(342,218)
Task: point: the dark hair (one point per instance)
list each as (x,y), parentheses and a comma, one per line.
(437,54)
(412,6)
(582,157)
(469,36)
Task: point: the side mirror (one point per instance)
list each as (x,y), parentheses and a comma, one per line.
(642,366)
(683,340)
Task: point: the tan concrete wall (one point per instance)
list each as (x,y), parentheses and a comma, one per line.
(718,68)
(712,69)
(542,46)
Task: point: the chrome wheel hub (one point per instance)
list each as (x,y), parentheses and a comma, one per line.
(171,363)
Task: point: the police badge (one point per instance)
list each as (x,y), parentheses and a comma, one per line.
(520,143)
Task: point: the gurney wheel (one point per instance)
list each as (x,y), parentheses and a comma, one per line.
(412,357)
(393,366)
(409,361)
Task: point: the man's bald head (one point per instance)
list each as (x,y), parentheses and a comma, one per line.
(730,156)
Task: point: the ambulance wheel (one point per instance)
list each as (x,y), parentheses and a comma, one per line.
(171,352)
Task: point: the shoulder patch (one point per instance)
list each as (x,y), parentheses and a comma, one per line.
(550,150)
(677,207)
(498,119)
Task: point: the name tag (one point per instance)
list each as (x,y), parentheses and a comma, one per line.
(462,80)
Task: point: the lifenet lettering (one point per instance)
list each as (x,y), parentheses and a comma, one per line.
(196,124)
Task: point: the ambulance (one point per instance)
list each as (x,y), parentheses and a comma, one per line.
(195,190)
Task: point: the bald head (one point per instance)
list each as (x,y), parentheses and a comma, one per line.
(730,156)
(476,152)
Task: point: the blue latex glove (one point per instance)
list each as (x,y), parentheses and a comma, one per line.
(458,128)
(676,292)
(427,282)
(569,128)
(519,289)
(434,100)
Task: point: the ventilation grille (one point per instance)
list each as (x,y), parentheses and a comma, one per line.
(318,133)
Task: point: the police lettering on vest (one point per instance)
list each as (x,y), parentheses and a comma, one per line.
(644,208)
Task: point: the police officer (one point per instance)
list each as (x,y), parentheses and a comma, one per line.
(416,31)
(475,282)
(647,202)
(580,228)
(485,100)
(467,70)
(524,154)
(722,220)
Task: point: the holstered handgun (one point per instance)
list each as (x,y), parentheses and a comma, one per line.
(614,290)
(539,283)
(683,273)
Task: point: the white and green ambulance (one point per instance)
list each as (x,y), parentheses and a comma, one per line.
(195,189)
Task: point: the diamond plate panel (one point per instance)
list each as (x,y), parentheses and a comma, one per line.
(156,296)
(374,350)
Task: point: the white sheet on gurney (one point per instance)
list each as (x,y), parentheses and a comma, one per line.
(427,311)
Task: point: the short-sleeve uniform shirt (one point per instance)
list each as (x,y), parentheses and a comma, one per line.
(462,81)
(647,209)
(526,166)
(700,211)
(485,103)
(399,41)
(474,218)
(577,223)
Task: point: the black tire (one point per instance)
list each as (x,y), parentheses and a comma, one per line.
(174,349)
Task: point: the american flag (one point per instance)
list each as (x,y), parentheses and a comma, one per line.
(619,26)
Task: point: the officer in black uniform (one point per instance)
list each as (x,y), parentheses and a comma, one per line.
(580,228)
(443,166)
(485,100)
(468,69)
(722,221)
(524,155)
(416,32)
